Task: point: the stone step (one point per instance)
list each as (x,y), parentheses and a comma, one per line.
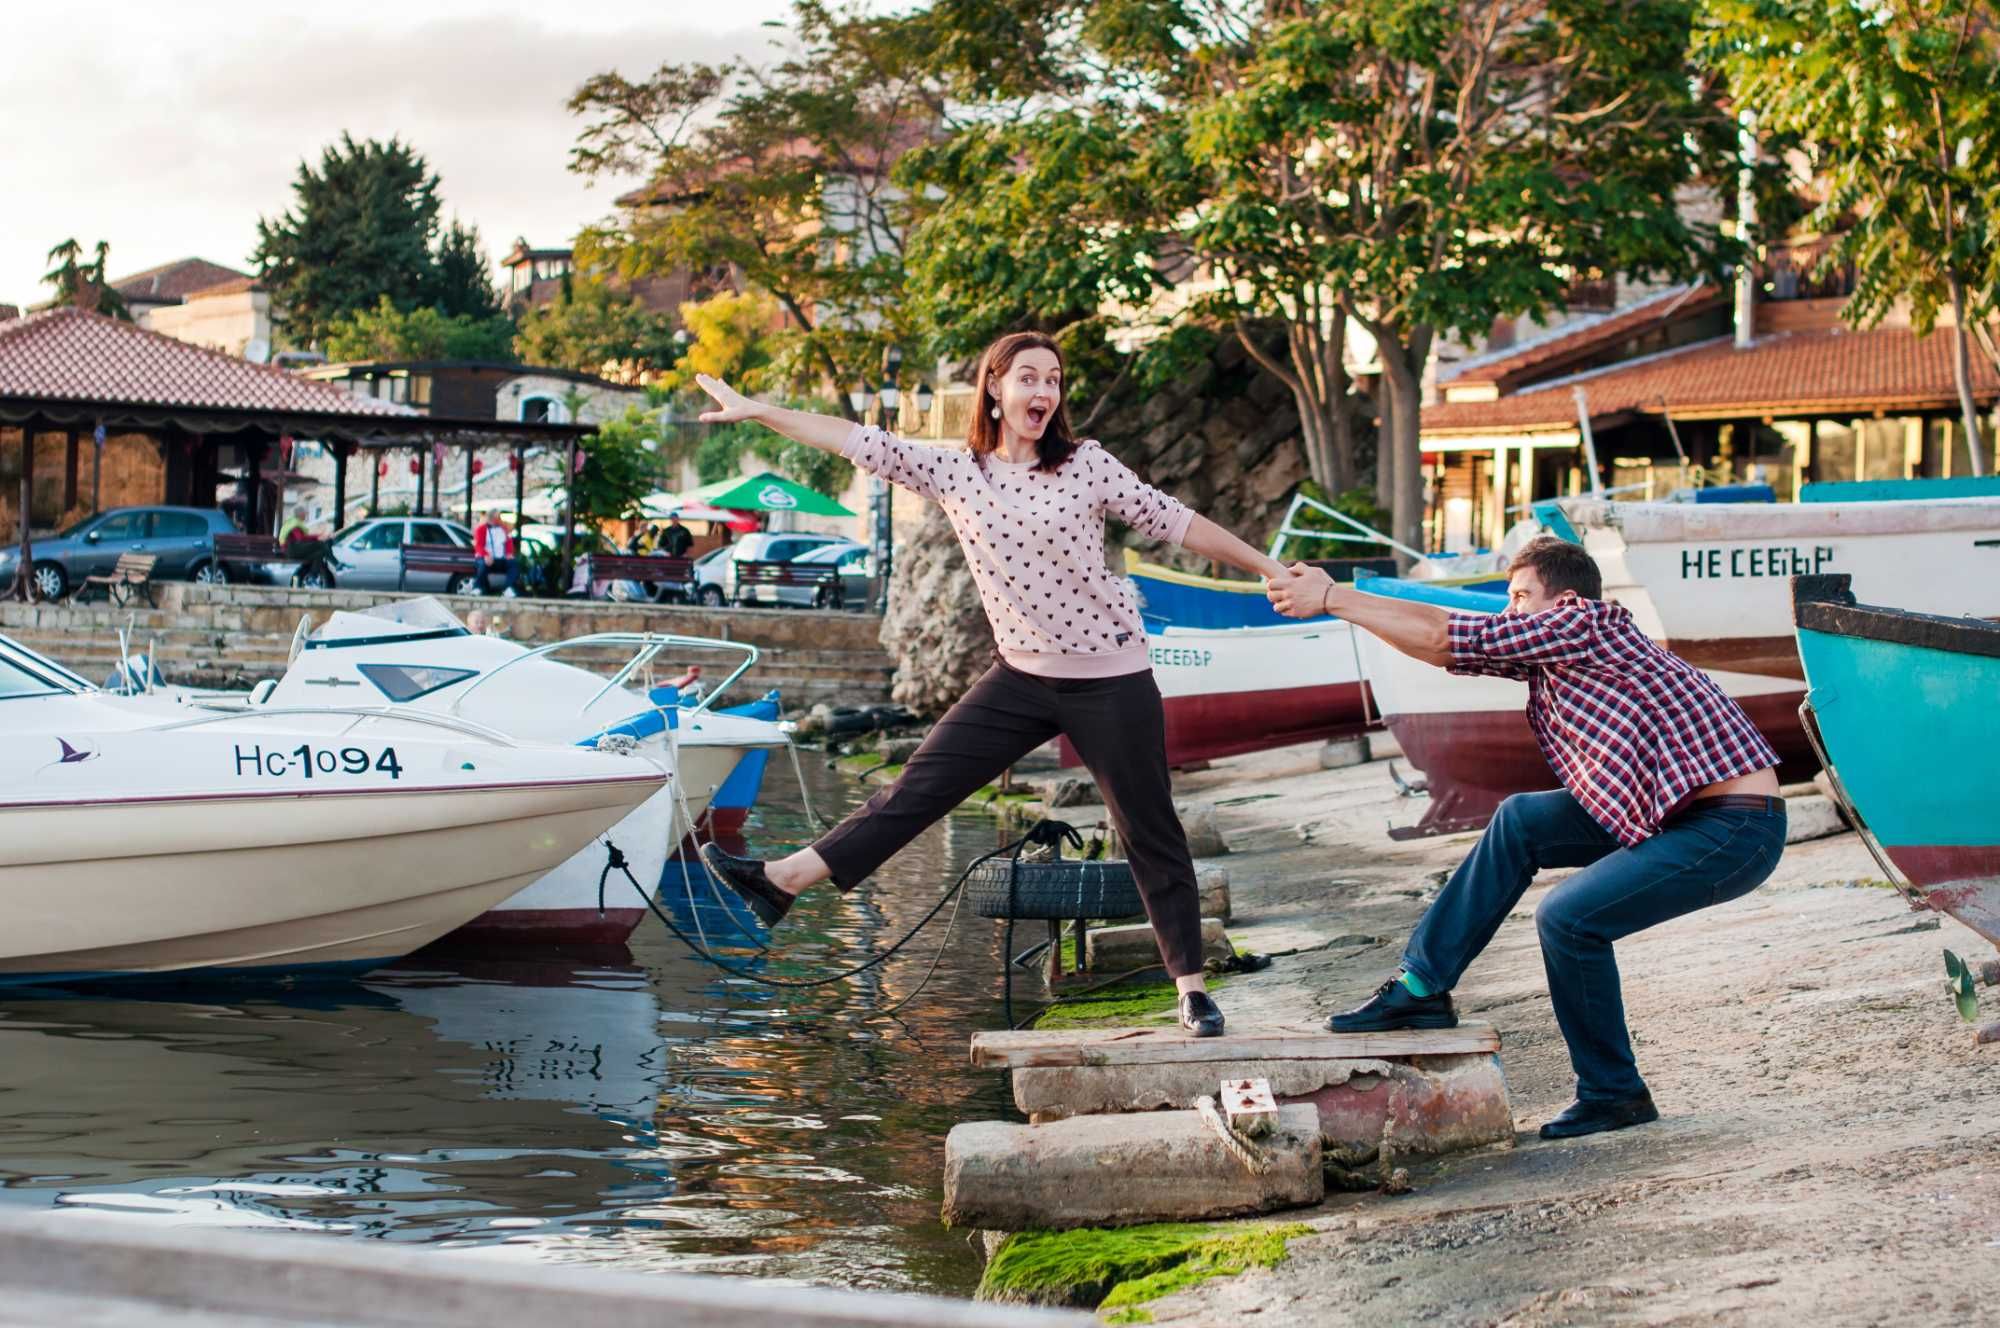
(1109,1171)
(1158,1046)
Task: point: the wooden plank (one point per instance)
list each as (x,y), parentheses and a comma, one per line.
(1163,1046)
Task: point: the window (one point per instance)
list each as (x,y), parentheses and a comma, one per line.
(16,680)
(420,390)
(543,410)
(388,535)
(122,526)
(407,682)
(430,532)
(852,556)
(178,525)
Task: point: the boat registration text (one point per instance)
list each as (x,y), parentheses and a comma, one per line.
(308,760)
(1168,657)
(1771,560)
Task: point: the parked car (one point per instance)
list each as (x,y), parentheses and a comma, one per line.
(857,569)
(182,539)
(715,572)
(368,555)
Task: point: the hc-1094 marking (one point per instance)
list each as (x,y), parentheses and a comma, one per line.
(308,760)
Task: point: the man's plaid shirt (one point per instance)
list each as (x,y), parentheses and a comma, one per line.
(1630,729)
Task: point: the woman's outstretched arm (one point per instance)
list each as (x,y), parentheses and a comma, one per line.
(1213,542)
(826,432)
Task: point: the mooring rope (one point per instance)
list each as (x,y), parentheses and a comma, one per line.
(1253,1158)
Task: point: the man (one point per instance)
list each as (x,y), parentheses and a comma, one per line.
(1669,804)
(676,539)
(494,544)
(295,531)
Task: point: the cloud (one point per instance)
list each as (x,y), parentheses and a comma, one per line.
(169,137)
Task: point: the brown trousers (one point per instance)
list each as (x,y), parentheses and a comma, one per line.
(1117,726)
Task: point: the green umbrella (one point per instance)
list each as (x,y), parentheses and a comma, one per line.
(765,493)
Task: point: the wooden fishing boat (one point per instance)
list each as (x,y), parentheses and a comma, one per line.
(1902,708)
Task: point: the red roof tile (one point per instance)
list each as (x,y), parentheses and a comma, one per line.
(70,355)
(1793,373)
(1550,356)
(170,282)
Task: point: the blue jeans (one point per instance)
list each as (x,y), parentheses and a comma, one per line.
(1708,854)
(511,566)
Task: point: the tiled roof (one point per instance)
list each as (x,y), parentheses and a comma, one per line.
(171,282)
(1551,354)
(233,286)
(69,355)
(1792,373)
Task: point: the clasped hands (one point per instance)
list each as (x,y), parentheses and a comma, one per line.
(1300,591)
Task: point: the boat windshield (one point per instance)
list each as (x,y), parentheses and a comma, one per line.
(421,617)
(24,673)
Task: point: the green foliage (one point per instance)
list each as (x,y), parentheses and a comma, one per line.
(729,338)
(730,449)
(364,227)
(779,174)
(1357,503)
(1123,1003)
(591,327)
(1958,979)
(620,468)
(424,333)
(69,274)
(1125,1267)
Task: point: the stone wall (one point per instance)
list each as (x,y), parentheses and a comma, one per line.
(1222,438)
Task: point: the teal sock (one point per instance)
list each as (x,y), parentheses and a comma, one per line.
(1415,984)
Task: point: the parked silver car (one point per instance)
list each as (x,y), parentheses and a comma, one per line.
(856,566)
(368,555)
(181,540)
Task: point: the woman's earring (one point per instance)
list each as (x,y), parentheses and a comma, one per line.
(996,412)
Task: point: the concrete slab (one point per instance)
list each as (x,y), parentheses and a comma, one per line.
(1213,882)
(1339,753)
(1098,1171)
(1419,1104)
(1811,818)
(1036,1047)
(1382,746)
(83,1269)
(1205,839)
(1116,949)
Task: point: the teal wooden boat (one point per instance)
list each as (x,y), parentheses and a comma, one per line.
(1902,707)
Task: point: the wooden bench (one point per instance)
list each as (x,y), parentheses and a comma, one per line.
(450,559)
(594,569)
(822,577)
(251,550)
(132,575)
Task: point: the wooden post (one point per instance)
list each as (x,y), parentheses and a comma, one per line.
(520,488)
(341,451)
(423,468)
(253,469)
(469,451)
(375,483)
(24,570)
(69,473)
(96,470)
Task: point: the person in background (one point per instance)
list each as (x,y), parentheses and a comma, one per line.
(676,539)
(1669,804)
(295,531)
(496,549)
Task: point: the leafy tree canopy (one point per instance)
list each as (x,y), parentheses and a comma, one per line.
(364,226)
(388,333)
(730,337)
(1896,104)
(69,275)
(593,328)
(620,467)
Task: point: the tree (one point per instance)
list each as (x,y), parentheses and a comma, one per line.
(778,177)
(592,327)
(74,279)
(1418,167)
(619,469)
(1897,103)
(729,337)
(388,333)
(364,227)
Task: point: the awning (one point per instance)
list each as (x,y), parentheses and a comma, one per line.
(768,492)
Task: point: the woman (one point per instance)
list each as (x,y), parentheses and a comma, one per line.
(1028,503)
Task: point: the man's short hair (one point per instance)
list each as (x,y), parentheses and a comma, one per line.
(1561,565)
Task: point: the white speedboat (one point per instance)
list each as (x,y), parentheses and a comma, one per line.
(1712,581)
(414,656)
(139,835)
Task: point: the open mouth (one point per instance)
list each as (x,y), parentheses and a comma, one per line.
(1037,416)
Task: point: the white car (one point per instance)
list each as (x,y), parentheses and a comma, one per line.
(715,571)
(368,555)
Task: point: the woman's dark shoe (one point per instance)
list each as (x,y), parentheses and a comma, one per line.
(1582,1117)
(746,877)
(1200,1015)
(1395,1006)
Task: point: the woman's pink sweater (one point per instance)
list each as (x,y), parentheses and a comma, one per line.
(1035,542)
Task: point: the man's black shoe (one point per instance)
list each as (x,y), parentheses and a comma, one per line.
(1582,1117)
(746,877)
(1395,1006)
(1200,1015)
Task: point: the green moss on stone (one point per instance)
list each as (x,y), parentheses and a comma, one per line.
(1120,1269)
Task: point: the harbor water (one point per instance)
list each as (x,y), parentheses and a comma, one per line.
(634,1108)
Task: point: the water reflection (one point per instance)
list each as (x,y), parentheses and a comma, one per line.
(635,1108)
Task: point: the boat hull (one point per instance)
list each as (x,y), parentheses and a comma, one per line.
(156,885)
(1913,736)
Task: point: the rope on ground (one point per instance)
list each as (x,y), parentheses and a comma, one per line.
(1254,1159)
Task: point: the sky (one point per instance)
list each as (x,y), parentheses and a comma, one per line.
(167,129)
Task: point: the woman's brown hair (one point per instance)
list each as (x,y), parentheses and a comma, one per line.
(982,435)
